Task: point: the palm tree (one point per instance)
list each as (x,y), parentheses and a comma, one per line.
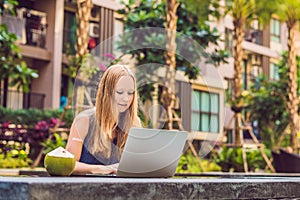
(168,94)
(83,14)
(243,12)
(289,12)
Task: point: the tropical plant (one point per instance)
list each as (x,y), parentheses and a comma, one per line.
(243,12)
(53,143)
(289,12)
(168,92)
(231,159)
(203,8)
(267,96)
(189,164)
(12,66)
(266,106)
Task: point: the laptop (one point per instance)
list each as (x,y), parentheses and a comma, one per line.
(151,153)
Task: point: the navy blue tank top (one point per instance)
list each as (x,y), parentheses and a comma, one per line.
(98,158)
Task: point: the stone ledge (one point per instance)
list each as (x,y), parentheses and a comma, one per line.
(38,171)
(154,188)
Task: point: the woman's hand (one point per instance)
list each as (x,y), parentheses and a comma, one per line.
(113,167)
(106,169)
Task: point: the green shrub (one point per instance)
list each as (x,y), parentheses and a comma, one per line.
(188,164)
(55,142)
(30,117)
(231,159)
(29,127)
(14,159)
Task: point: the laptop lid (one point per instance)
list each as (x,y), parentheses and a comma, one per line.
(151,152)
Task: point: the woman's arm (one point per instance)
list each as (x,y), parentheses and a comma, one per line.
(77,134)
(83,168)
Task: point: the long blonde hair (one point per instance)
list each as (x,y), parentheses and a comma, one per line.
(106,124)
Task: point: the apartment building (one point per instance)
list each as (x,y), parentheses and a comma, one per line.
(46,31)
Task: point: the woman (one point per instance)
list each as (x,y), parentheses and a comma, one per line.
(98,135)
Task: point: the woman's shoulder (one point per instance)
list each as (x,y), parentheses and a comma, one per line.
(87,113)
(83,120)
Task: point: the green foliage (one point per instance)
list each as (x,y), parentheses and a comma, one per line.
(283,71)
(152,14)
(203,8)
(189,164)
(267,106)
(8,4)
(250,10)
(14,159)
(231,159)
(147,90)
(11,64)
(288,10)
(51,144)
(30,117)
(22,76)
(29,129)
(86,65)
(266,102)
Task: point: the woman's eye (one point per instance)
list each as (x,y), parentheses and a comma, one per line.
(131,93)
(120,92)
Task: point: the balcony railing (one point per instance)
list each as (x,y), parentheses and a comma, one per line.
(19,100)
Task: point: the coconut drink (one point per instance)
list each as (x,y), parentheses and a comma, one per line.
(59,162)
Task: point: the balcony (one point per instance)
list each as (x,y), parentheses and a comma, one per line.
(254,36)
(19,100)
(29,25)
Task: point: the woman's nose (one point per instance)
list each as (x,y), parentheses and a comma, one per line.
(125,97)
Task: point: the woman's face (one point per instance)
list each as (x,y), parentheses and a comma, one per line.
(124,93)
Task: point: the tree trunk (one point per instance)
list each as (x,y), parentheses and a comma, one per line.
(292,104)
(168,94)
(239,25)
(82,16)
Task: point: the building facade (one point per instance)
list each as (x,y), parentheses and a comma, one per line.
(47,34)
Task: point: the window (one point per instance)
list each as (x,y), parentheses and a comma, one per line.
(274,75)
(69,37)
(205,111)
(255,66)
(101,30)
(275,30)
(253,33)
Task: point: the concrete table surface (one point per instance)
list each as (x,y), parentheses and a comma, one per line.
(248,187)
